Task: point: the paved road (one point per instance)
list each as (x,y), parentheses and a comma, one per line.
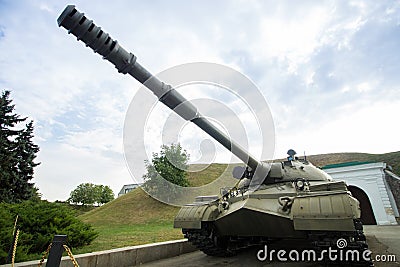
(382,240)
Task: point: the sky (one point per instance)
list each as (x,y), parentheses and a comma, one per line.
(329,71)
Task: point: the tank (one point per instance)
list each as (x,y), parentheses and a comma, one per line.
(292,199)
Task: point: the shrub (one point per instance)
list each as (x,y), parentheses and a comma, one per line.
(38,222)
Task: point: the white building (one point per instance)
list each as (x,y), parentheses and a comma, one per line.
(372,185)
(128,188)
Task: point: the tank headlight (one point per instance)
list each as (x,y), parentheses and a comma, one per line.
(300,184)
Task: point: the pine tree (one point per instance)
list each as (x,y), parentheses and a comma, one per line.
(17,154)
(26,154)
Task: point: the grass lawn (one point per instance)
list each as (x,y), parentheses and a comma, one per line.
(132,219)
(116,236)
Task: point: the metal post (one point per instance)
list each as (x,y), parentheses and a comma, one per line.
(56,251)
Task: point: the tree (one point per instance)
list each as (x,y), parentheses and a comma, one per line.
(17,154)
(39,221)
(89,194)
(84,194)
(168,166)
(105,194)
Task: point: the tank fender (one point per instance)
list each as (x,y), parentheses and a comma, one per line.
(190,217)
(332,212)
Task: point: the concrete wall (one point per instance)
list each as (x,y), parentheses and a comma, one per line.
(127,256)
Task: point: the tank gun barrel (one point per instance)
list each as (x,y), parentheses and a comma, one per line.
(101,42)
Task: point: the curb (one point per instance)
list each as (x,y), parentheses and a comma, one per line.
(126,256)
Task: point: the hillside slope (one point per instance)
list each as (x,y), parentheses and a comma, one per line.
(129,220)
(392,159)
(136,207)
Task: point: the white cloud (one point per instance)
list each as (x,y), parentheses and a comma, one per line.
(63,167)
(293,39)
(366,129)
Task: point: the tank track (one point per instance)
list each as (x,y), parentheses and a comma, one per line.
(208,242)
(355,240)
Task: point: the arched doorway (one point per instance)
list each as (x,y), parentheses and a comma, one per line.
(367,214)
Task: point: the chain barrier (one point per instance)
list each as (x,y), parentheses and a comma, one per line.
(67,249)
(16,233)
(14,248)
(44,255)
(15,224)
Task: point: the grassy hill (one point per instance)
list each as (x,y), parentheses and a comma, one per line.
(392,159)
(132,219)
(136,218)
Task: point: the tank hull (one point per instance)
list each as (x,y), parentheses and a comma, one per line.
(246,222)
(325,206)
